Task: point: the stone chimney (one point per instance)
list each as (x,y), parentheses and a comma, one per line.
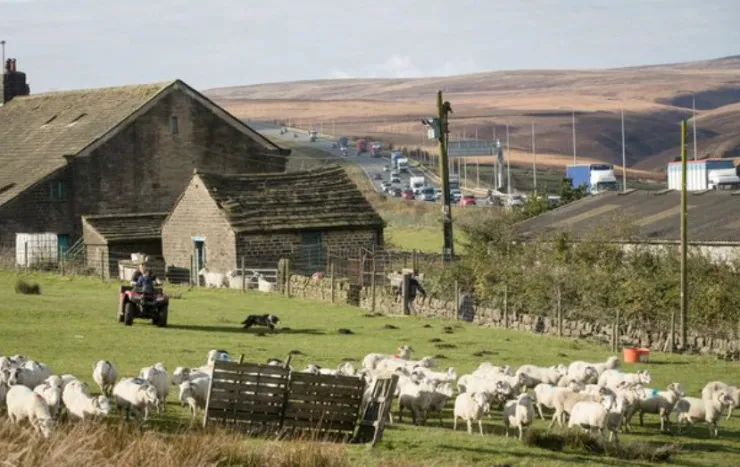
(14,82)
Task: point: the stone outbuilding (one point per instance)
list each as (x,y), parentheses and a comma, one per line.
(304,216)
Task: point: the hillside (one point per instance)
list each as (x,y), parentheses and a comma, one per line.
(655,99)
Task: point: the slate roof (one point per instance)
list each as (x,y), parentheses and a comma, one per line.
(127,227)
(713,216)
(322,198)
(37,131)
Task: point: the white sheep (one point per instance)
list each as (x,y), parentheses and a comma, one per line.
(71,390)
(182,374)
(661,403)
(565,399)
(24,404)
(487,369)
(371,360)
(612,378)
(716,386)
(52,396)
(593,414)
(194,393)
(535,375)
(105,375)
(135,395)
(545,392)
(213,279)
(576,369)
(441,394)
(55,381)
(519,413)
(692,409)
(66,379)
(471,407)
(29,374)
(158,377)
(437,376)
(85,406)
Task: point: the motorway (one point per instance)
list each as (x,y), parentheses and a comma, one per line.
(372,166)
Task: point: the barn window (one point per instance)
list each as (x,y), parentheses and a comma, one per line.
(174,125)
(57,190)
(77,119)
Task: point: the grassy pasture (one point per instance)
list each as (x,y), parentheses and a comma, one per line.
(72,324)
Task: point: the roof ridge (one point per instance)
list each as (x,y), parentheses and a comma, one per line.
(159,84)
(113,216)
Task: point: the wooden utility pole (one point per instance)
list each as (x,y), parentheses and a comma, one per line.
(684,239)
(444,109)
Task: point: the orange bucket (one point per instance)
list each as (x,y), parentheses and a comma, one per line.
(643,354)
(631,354)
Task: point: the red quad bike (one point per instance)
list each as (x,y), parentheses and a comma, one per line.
(147,303)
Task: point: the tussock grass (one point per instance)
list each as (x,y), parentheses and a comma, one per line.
(25,288)
(121,445)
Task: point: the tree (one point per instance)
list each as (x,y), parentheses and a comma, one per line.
(569,194)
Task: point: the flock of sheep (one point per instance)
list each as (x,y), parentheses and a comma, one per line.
(233,279)
(595,396)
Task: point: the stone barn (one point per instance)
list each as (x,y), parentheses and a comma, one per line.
(112,238)
(265,217)
(119,150)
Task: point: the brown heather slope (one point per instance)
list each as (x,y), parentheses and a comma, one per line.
(655,99)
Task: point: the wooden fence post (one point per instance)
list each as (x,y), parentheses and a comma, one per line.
(287,278)
(673,331)
(244,277)
(102,263)
(372,285)
(405,293)
(25,255)
(506,306)
(616,332)
(331,276)
(457,299)
(61,265)
(560,313)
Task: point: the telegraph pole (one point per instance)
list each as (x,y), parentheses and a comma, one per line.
(534,162)
(684,240)
(442,132)
(574,137)
(624,156)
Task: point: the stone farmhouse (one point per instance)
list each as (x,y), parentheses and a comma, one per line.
(262,218)
(112,151)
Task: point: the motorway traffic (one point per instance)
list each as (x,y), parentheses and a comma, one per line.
(374,167)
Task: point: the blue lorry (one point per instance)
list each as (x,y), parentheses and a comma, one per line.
(596,177)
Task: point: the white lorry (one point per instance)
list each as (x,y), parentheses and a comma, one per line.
(705,174)
(402,165)
(417,184)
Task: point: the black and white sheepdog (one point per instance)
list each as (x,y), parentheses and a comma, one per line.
(269,321)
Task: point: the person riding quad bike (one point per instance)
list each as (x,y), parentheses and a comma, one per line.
(144,277)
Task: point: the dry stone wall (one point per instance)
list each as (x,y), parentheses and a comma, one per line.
(386,302)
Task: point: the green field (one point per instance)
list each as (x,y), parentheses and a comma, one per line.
(72,325)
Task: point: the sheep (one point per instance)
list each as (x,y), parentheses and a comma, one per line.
(498,391)
(519,413)
(52,396)
(535,375)
(567,380)
(564,400)
(577,368)
(157,376)
(85,406)
(593,414)
(105,375)
(715,386)
(66,379)
(611,378)
(235,279)
(194,393)
(392,364)
(661,403)
(693,409)
(23,404)
(487,369)
(583,374)
(438,376)
(135,395)
(214,355)
(182,374)
(70,391)
(54,381)
(544,393)
(371,360)
(29,374)
(441,394)
(213,279)
(471,407)
(417,397)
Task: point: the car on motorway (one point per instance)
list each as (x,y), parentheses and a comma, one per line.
(385,186)
(395,179)
(386,168)
(377,177)
(407,194)
(455,195)
(395,192)
(468,200)
(345,152)
(428,194)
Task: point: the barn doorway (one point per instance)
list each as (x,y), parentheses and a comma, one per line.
(312,251)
